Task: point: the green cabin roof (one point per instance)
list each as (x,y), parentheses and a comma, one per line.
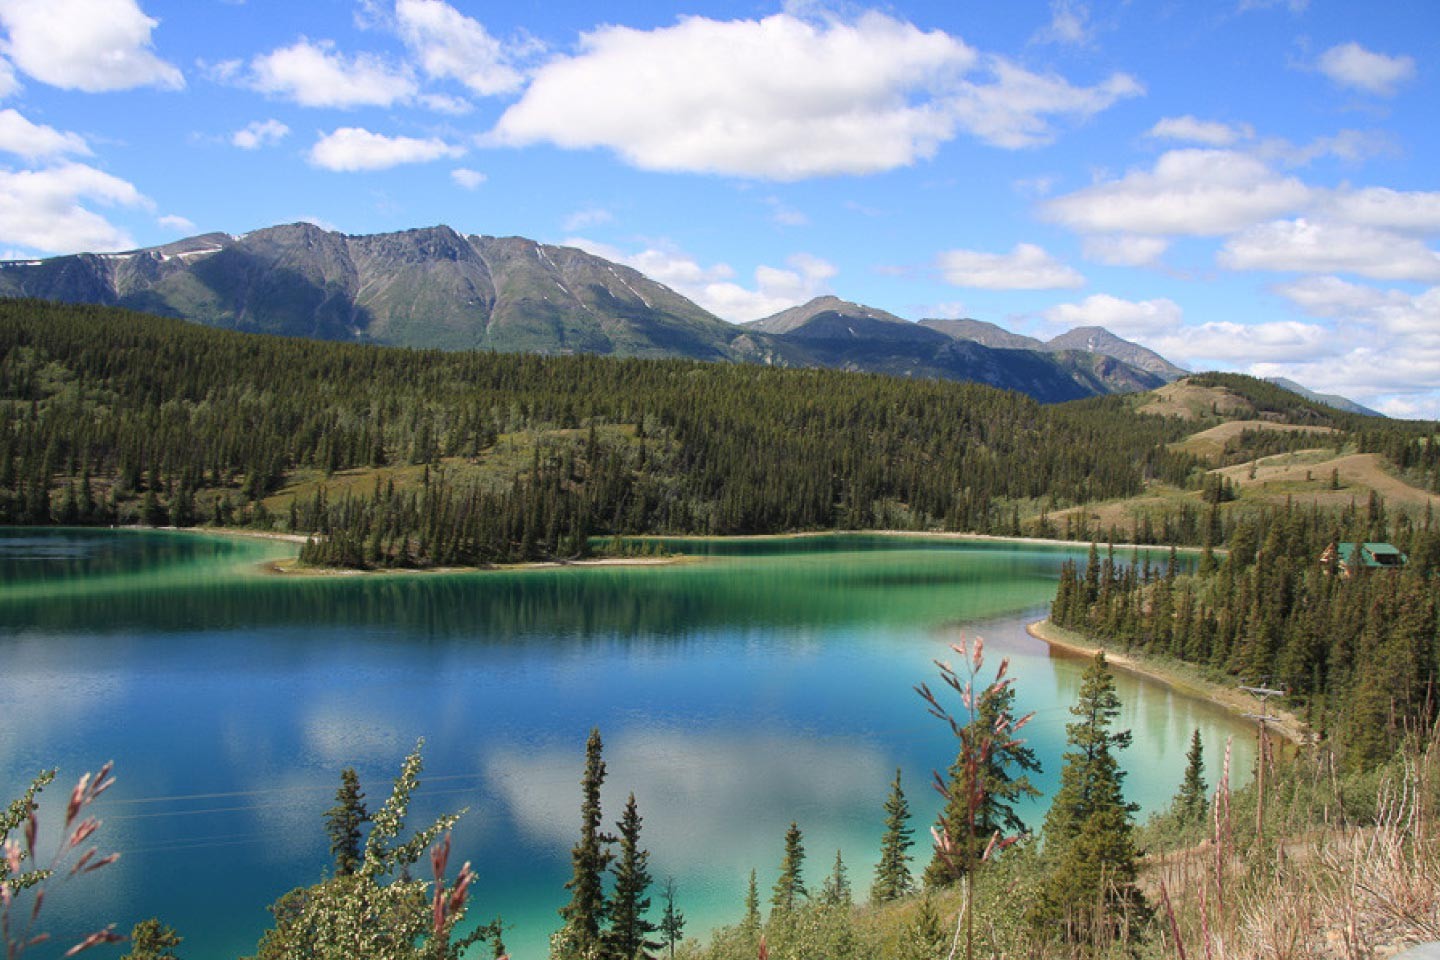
(1373,555)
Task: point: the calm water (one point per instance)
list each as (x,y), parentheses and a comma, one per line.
(771,682)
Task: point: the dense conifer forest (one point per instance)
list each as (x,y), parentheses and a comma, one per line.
(112,417)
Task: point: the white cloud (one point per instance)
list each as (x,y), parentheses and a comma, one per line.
(1069,23)
(44,209)
(469,179)
(1307,246)
(1127,318)
(804,278)
(34,141)
(315,75)
(8,82)
(1191,129)
(1011,111)
(450,44)
(785,215)
(89,45)
(1027,267)
(441,103)
(1351,66)
(1189,192)
(1393,311)
(1350,146)
(779,98)
(172,221)
(1125,249)
(351,149)
(1294,6)
(1417,211)
(259,134)
(586,218)
(1207,344)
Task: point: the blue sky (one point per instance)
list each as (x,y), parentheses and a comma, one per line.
(1239,184)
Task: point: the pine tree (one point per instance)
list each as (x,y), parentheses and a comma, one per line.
(790,886)
(586,912)
(981,776)
(925,936)
(892,875)
(627,937)
(751,923)
(672,921)
(152,940)
(836,892)
(1089,832)
(1191,803)
(343,822)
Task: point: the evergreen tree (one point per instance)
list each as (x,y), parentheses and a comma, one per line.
(586,912)
(925,936)
(1192,802)
(836,892)
(981,791)
(672,921)
(1089,832)
(892,875)
(789,888)
(152,940)
(627,937)
(751,923)
(343,821)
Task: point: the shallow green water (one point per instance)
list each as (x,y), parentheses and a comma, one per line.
(771,682)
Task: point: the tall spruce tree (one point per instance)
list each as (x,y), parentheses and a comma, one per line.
(981,790)
(789,887)
(628,937)
(752,922)
(892,874)
(1191,802)
(586,912)
(153,940)
(836,892)
(343,822)
(1089,831)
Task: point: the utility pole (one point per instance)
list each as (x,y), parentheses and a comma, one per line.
(1264,720)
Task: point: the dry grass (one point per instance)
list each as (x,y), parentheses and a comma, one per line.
(1305,476)
(1210,444)
(1189,401)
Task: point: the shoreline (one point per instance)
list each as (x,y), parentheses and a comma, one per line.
(1066,643)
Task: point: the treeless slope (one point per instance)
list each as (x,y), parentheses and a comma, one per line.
(1209,444)
(1190,401)
(1359,473)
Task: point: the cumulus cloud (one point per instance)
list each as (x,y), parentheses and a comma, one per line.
(469,179)
(1351,66)
(172,221)
(1191,129)
(1393,311)
(316,75)
(1189,192)
(259,134)
(786,98)
(45,209)
(1125,249)
(1012,110)
(1413,210)
(89,45)
(587,217)
(34,141)
(1127,318)
(8,82)
(352,149)
(1309,246)
(1027,267)
(450,44)
(803,278)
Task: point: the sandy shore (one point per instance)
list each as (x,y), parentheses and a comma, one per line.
(293,567)
(1288,725)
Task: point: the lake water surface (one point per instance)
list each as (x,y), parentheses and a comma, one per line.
(770,683)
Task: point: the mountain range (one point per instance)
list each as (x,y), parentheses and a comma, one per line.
(436,288)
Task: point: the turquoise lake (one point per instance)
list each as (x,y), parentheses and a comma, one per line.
(770,682)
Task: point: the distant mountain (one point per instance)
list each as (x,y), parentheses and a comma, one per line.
(1102,341)
(420,288)
(828,332)
(987,334)
(437,288)
(1329,399)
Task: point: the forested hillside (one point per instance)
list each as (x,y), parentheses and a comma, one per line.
(417,457)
